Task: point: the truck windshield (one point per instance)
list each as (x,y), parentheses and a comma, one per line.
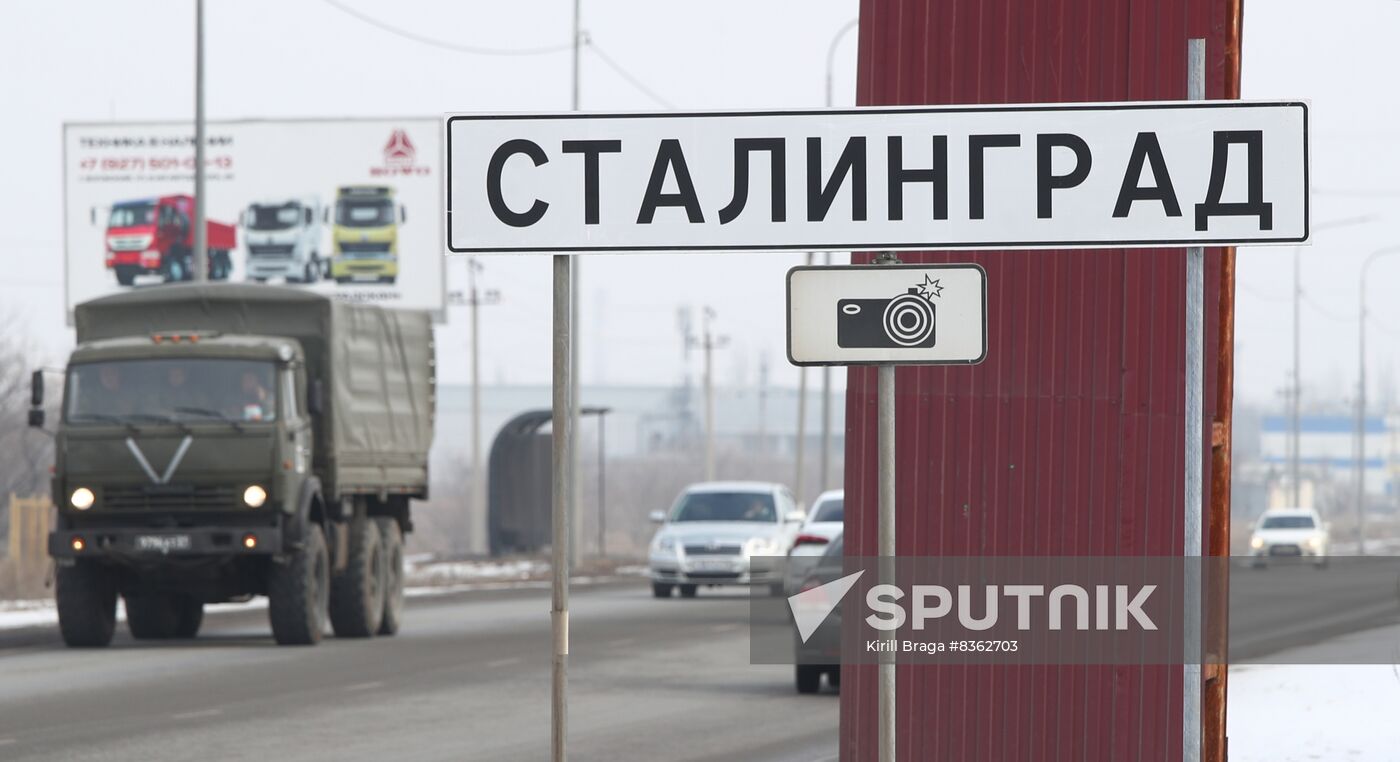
(364,213)
(127,215)
(726,506)
(273,217)
(168,390)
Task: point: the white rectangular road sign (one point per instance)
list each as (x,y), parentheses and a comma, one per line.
(896,314)
(1034,176)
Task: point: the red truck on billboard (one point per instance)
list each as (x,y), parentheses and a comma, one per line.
(155,236)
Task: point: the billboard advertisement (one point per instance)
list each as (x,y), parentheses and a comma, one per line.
(350,208)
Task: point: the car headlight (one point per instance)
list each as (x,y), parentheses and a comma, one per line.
(1256,542)
(254,496)
(1314,542)
(82,498)
(665,543)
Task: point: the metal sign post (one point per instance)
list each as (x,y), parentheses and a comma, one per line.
(1195,411)
(885,537)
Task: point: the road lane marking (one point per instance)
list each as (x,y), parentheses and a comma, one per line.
(369,686)
(197,714)
(505,662)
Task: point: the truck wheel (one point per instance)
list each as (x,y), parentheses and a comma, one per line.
(688,591)
(151,616)
(312,272)
(125,275)
(809,678)
(660,590)
(357,594)
(189,615)
(391,542)
(176,269)
(87,605)
(387,279)
(219,265)
(297,589)
(342,281)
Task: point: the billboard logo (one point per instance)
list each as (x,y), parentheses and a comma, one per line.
(399,157)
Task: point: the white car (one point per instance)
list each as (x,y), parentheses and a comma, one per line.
(715,529)
(1289,533)
(823,526)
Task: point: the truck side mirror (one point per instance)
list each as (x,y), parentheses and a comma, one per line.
(242,219)
(36,417)
(326,216)
(92,216)
(316,397)
(657,517)
(307,215)
(403,216)
(36,388)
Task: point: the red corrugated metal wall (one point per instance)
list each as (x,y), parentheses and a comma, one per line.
(1068,440)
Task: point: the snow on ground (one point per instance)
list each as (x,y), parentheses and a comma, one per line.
(1302,712)
(423,578)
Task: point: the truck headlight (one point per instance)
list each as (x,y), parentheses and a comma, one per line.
(254,496)
(82,498)
(665,544)
(1256,542)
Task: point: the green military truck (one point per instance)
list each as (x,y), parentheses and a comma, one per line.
(223,441)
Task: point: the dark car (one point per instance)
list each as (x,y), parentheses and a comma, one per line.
(821,653)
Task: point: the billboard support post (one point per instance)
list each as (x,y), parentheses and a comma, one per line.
(200,259)
(1195,411)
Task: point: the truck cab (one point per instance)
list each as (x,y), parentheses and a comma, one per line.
(154,236)
(283,237)
(366,234)
(217,442)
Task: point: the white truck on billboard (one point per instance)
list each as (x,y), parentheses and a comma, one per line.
(283,237)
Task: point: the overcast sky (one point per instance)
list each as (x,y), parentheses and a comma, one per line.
(87,61)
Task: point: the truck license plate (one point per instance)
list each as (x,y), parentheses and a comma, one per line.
(162,543)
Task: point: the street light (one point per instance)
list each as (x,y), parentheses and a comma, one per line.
(1361,403)
(1296,393)
(824,472)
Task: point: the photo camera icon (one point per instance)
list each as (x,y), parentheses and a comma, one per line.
(907,320)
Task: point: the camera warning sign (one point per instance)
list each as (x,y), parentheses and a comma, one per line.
(896,314)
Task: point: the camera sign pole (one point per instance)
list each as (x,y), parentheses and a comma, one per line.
(887,315)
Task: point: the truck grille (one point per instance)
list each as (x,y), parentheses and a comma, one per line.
(128,242)
(279,251)
(712,550)
(364,248)
(168,498)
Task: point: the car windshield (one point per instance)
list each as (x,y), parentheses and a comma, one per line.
(831,509)
(167,390)
(273,217)
(364,213)
(1288,522)
(725,506)
(127,215)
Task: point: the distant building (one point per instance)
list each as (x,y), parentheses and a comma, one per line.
(1327,450)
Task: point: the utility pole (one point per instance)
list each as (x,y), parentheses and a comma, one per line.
(1361,403)
(200,259)
(708,342)
(801,422)
(564,401)
(479,519)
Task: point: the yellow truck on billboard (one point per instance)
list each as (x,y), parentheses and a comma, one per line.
(365,234)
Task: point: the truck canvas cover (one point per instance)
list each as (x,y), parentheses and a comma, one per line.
(375,366)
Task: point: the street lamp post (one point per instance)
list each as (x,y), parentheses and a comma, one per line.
(824,472)
(1361,402)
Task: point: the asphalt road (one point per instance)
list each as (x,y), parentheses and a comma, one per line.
(468,678)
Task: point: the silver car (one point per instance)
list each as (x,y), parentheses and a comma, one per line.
(715,530)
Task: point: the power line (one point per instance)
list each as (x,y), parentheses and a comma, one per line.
(621,72)
(1358,192)
(444,44)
